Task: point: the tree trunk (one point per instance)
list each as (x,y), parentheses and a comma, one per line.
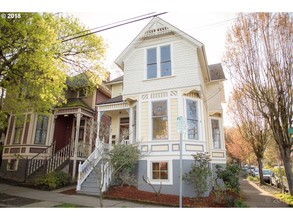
(260,174)
(101,200)
(288,169)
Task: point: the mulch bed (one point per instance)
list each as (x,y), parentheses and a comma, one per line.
(131,193)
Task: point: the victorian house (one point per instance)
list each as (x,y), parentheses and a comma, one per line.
(37,144)
(166,75)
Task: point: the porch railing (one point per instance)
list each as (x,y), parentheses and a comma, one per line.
(58,158)
(38,160)
(85,168)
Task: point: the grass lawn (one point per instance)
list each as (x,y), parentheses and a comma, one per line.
(68,205)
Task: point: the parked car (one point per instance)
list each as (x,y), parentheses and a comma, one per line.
(266,175)
(255,172)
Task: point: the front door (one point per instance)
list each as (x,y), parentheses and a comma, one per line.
(124,129)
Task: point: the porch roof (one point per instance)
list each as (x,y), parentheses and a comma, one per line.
(113,100)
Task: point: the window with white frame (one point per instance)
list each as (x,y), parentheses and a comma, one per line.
(161,56)
(192,119)
(41,129)
(160,120)
(18,129)
(160,170)
(216,135)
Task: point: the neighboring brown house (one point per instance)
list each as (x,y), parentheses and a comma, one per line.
(36,144)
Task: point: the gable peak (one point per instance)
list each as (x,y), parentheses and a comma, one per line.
(156,27)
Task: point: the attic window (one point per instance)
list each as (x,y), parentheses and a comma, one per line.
(159,55)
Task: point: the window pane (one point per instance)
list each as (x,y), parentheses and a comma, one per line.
(216,133)
(160,108)
(192,119)
(160,128)
(165,53)
(152,71)
(166,69)
(152,56)
(41,130)
(160,170)
(191,109)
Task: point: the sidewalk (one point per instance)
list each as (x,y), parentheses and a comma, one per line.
(15,196)
(255,197)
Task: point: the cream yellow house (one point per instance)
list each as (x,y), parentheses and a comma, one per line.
(166,75)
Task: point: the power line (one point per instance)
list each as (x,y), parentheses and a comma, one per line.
(105,25)
(114,25)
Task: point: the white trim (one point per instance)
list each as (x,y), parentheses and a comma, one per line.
(200,116)
(222,144)
(170,170)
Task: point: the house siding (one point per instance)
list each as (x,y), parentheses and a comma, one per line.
(174,189)
(144,121)
(185,70)
(174,114)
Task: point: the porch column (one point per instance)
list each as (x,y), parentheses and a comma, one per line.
(99,116)
(78,117)
(130,113)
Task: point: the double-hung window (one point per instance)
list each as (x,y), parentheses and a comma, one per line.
(160,120)
(192,119)
(216,135)
(159,62)
(41,130)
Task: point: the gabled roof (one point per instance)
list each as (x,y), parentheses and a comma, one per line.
(216,72)
(155,28)
(115,81)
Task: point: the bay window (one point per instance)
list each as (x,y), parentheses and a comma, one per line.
(41,129)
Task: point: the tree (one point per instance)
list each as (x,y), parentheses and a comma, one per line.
(237,147)
(35,61)
(251,126)
(259,59)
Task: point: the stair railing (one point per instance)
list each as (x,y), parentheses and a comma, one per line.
(85,168)
(58,158)
(37,161)
(106,171)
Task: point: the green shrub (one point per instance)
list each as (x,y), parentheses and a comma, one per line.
(53,180)
(229,176)
(123,159)
(199,174)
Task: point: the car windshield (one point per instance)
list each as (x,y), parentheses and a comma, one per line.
(266,172)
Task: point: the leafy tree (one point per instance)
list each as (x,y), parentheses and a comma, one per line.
(37,53)
(237,147)
(259,58)
(199,174)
